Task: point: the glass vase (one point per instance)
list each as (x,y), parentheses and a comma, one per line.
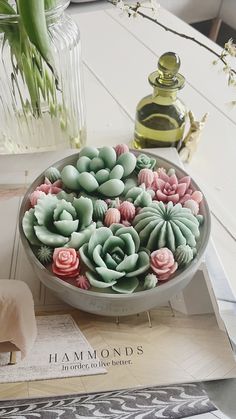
(40,112)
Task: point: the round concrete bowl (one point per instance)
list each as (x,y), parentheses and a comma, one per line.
(103,303)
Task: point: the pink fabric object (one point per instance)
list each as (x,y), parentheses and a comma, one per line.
(82,282)
(146,176)
(17,318)
(192,205)
(170,188)
(112,216)
(127,211)
(163,263)
(48,187)
(35,196)
(65,262)
(121,149)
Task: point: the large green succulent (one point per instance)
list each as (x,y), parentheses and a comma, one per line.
(99,171)
(170,225)
(55,222)
(114,258)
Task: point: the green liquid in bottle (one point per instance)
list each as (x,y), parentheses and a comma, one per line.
(159,125)
(160,118)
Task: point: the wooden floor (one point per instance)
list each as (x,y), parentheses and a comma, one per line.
(176,349)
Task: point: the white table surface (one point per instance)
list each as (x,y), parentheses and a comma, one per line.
(118,55)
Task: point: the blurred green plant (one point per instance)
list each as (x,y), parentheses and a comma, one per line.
(24,27)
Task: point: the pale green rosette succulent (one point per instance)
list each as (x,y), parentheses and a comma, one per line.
(56,223)
(99,171)
(144,162)
(170,225)
(114,258)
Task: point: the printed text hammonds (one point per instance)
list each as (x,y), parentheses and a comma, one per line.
(104,353)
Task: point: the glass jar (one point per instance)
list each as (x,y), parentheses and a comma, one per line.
(37,114)
(160,117)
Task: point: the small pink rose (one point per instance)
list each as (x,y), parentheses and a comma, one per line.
(65,262)
(163,263)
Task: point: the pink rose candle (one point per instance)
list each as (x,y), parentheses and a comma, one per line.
(65,262)
(163,263)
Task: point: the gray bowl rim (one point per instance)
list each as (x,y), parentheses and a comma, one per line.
(191,268)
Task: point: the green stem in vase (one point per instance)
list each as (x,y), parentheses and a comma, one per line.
(31,55)
(32,15)
(49,4)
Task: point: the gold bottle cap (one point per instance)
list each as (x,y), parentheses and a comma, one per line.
(167,76)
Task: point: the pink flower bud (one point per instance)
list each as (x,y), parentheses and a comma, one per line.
(127,211)
(146,176)
(112,216)
(121,149)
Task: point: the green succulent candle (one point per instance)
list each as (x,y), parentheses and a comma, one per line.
(114,258)
(53,221)
(108,215)
(99,171)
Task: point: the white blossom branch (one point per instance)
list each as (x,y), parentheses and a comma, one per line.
(229,50)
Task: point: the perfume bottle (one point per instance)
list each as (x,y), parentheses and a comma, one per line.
(160,117)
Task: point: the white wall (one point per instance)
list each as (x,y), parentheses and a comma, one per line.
(198,10)
(228,12)
(193,10)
